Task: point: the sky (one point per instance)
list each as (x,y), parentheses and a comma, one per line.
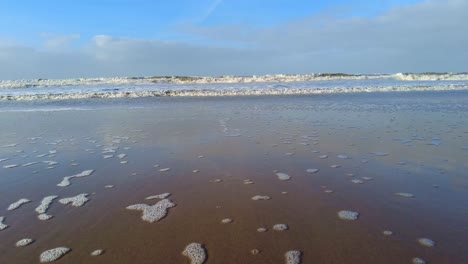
(104,38)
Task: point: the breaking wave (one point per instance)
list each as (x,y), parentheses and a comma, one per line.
(278,90)
(42,83)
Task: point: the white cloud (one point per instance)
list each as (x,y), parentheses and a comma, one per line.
(58,40)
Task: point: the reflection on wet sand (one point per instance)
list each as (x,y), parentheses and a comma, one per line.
(352,182)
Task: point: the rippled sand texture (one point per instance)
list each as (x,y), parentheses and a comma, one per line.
(365,178)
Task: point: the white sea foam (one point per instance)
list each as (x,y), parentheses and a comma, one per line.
(426,242)
(382,154)
(283,176)
(348,215)
(154,212)
(226,221)
(293,257)
(387,232)
(248,182)
(84,91)
(44,217)
(17,204)
(406,195)
(195,252)
(97,252)
(66,180)
(159,196)
(2,225)
(418,261)
(312,170)
(24,242)
(254,251)
(45,203)
(50,162)
(53,254)
(118,81)
(11,166)
(280,227)
(10,145)
(260,197)
(76,201)
(29,164)
(357,181)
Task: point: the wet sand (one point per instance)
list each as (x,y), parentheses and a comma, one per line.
(424,134)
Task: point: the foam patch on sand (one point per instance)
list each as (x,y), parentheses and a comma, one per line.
(97,252)
(226,221)
(280,227)
(348,215)
(2,225)
(254,251)
(283,176)
(293,257)
(387,233)
(24,242)
(76,201)
(248,182)
(17,204)
(159,196)
(418,261)
(312,170)
(260,197)
(45,203)
(195,252)
(66,180)
(53,254)
(44,217)
(155,212)
(357,181)
(426,242)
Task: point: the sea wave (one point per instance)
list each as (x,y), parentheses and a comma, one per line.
(44,83)
(227,92)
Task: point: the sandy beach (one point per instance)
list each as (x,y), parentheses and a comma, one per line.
(398,160)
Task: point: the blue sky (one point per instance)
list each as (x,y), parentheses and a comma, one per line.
(27,20)
(301,32)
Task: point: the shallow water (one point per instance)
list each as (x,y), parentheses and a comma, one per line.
(235,139)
